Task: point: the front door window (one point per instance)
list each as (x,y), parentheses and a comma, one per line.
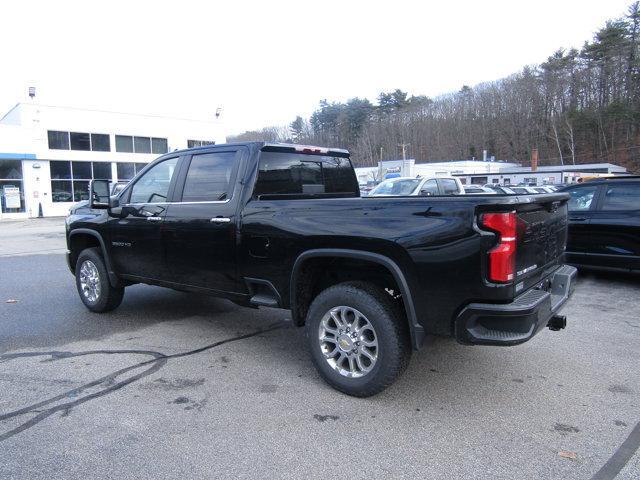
(153,186)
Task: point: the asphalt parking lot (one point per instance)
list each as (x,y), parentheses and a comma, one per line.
(172,384)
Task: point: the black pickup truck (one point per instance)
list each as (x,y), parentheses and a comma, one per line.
(284,226)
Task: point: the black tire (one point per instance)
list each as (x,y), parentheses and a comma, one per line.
(109,297)
(391,330)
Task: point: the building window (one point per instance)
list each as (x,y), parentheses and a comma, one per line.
(11,190)
(70,180)
(80,190)
(81,170)
(128,170)
(102,170)
(141,144)
(129,144)
(124,144)
(60,170)
(98,142)
(199,143)
(58,140)
(61,191)
(80,141)
(159,145)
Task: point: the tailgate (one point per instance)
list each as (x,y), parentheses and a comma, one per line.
(541,237)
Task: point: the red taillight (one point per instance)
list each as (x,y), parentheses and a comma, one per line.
(502,257)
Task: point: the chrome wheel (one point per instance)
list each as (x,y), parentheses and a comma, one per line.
(90,281)
(348,341)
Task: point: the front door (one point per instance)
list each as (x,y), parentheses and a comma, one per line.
(136,237)
(201,225)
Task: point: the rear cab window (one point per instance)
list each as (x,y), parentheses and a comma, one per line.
(289,174)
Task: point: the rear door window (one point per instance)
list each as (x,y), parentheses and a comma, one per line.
(622,197)
(209,177)
(449,186)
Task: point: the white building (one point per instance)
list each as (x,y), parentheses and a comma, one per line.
(483,172)
(48,154)
(548,174)
(409,168)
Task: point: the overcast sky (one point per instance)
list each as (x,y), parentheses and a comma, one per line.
(264,62)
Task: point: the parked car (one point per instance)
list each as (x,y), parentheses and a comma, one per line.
(604,223)
(408,186)
(478,190)
(284,226)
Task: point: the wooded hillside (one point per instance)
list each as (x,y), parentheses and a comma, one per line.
(576,107)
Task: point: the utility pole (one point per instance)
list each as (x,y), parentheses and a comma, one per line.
(404,149)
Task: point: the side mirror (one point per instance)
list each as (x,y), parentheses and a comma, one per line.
(99,194)
(425,193)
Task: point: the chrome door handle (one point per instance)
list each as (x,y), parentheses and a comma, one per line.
(220,220)
(154,219)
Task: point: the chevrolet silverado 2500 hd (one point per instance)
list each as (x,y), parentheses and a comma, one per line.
(284,226)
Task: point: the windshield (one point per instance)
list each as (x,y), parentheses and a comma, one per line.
(398,187)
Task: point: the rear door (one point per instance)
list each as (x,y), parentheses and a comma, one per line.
(614,229)
(201,225)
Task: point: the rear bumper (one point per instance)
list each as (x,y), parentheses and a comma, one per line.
(518,321)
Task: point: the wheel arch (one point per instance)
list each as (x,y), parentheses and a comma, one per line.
(415,328)
(76,238)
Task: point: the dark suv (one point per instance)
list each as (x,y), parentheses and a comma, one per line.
(604,223)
